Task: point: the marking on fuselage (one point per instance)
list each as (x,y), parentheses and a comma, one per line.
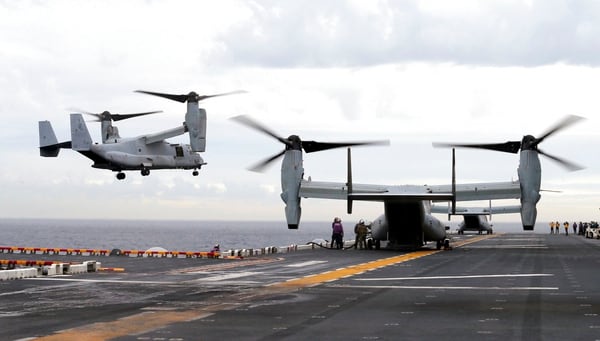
(308,263)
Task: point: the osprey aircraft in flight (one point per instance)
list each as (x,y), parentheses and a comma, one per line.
(407,220)
(141,153)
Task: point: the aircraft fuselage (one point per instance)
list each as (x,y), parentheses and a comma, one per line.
(408,224)
(135,154)
(475,222)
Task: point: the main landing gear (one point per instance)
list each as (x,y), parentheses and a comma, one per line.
(120,176)
(195,172)
(445,243)
(145,172)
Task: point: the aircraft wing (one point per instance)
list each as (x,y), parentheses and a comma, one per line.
(482,191)
(367,192)
(477,210)
(335,190)
(163,135)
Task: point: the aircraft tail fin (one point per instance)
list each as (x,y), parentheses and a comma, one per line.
(80,136)
(49,146)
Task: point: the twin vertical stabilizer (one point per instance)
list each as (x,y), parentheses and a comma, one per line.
(80,136)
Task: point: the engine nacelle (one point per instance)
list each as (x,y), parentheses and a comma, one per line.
(380,228)
(433,229)
(195,120)
(530,175)
(292,172)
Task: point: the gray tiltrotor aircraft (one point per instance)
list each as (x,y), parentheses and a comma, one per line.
(142,153)
(407,220)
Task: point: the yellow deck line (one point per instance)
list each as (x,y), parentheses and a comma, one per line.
(353,270)
(131,325)
(147,321)
(360,268)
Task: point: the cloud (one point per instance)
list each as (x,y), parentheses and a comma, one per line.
(412,72)
(218,188)
(354,34)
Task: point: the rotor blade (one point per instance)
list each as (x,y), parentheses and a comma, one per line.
(178,98)
(567,164)
(261,166)
(247,121)
(314,146)
(564,123)
(98,117)
(507,147)
(190,96)
(78,110)
(203,97)
(118,117)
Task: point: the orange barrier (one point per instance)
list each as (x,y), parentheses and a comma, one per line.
(12,263)
(112,269)
(53,251)
(102,252)
(172,254)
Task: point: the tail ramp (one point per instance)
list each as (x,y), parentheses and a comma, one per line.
(49,146)
(80,136)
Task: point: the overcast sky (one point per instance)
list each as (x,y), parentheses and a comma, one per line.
(413,72)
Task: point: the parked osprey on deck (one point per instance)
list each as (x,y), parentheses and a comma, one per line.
(407,220)
(142,153)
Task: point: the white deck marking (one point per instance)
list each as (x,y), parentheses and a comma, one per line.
(441,287)
(312,262)
(452,277)
(516,246)
(227,276)
(96,280)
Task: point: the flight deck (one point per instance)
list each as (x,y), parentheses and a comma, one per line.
(493,287)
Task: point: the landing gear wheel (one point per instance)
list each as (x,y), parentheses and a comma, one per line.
(145,172)
(195,173)
(120,176)
(447,244)
(377,244)
(438,245)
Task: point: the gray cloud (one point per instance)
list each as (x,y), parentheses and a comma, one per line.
(337,33)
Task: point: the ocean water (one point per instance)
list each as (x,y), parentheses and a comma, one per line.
(173,235)
(144,234)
